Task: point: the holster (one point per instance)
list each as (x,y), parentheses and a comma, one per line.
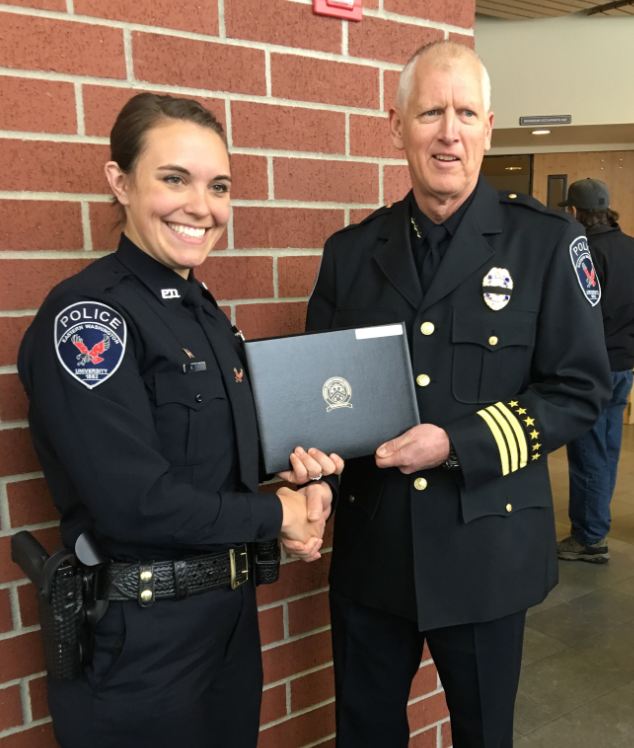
(266,561)
(63,616)
(67,603)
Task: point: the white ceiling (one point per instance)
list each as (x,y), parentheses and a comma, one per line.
(518,9)
(567,137)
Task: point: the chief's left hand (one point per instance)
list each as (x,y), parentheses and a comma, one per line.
(421,447)
(311,465)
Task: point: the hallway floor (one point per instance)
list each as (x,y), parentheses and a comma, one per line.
(577,685)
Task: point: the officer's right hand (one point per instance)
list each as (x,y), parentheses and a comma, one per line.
(300,536)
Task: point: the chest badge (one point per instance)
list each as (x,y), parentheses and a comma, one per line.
(90,340)
(238,375)
(497,288)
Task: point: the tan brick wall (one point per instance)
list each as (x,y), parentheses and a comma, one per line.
(304,101)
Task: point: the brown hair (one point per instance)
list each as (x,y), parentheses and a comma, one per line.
(590,218)
(143,112)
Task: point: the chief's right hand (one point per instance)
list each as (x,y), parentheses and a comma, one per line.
(303,536)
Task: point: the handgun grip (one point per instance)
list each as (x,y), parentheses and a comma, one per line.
(29,555)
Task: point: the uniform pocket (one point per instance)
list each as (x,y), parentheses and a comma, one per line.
(491,354)
(108,646)
(188,408)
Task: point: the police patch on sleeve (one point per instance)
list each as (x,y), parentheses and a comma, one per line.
(90,340)
(584,267)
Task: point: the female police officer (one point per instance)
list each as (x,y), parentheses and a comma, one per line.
(143,420)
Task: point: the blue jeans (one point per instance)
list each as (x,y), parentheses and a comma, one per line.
(592,464)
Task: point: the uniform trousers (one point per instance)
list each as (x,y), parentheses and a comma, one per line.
(377,655)
(178,673)
(593,460)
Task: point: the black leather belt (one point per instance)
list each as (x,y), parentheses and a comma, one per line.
(147,582)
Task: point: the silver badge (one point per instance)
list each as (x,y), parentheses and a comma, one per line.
(497,287)
(337,393)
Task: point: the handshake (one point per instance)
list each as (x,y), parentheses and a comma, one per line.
(305,510)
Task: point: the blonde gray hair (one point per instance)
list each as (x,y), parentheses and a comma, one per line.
(445,49)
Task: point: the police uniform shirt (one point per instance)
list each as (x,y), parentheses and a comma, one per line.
(141,412)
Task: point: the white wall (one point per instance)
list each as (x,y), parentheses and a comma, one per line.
(578,65)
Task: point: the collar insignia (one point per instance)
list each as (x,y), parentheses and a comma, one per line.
(170,293)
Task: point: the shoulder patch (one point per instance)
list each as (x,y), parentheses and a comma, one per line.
(584,268)
(90,340)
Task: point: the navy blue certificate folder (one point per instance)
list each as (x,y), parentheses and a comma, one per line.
(344,391)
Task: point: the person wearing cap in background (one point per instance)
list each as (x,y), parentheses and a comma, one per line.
(593,457)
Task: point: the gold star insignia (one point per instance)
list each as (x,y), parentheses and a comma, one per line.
(536,446)
(521,411)
(529,421)
(534,434)
(536,456)
(513,404)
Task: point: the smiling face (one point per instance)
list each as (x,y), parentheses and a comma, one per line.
(444,129)
(176,197)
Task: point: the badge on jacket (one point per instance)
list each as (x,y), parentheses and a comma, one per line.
(497,288)
(584,267)
(90,340)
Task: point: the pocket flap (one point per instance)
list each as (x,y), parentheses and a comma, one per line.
(193,390)
(494,330)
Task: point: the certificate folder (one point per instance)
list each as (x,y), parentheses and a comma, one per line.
(344,391)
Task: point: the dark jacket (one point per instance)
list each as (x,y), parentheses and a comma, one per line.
(613,254)
(161,457)
(509,386)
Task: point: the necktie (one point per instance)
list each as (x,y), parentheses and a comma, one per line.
(431,260)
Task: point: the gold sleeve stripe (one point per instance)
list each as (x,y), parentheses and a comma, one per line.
(519,432)
(499,440)
(508,435)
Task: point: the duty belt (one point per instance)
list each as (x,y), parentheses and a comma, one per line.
(147,582)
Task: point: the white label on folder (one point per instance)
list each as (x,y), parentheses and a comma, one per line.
(380,331)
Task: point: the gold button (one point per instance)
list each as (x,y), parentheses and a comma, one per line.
(427,328)
(420,484)
(493,340)
(146,595)
(145,576)
(512,195)
(422,380)
(509,507)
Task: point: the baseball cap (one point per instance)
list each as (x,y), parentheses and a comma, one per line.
(588,194)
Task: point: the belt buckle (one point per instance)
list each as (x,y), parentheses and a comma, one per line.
(238,576)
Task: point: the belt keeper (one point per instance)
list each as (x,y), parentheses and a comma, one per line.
(181,588)
(146,585)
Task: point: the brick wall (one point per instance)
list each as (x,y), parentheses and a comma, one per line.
(304,101)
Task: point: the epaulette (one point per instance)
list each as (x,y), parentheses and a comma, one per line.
(375,214)
(526,201)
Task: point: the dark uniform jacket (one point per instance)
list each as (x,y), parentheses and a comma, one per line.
(143,419)
(613,255)
(509,384)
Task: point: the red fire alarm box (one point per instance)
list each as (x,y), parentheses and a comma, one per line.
(348,9)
